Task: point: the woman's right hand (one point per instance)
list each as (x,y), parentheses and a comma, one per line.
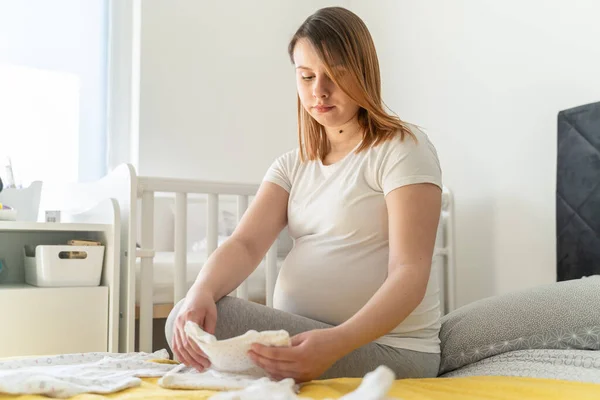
(202,310)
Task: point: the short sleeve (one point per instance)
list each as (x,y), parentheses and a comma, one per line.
(281,171)
(408,162)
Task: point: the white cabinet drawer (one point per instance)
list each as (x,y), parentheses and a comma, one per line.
(43,321)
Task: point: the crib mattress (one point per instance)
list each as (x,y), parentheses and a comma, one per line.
(164,271)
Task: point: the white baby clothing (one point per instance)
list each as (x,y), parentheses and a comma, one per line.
(71,374)
(231,367)
(261,391)
(374,386)
(337,216)
(231,355)
(184,377)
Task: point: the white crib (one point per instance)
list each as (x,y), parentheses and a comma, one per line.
(147,188)
(136,195)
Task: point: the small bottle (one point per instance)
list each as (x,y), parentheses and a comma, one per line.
(10,178)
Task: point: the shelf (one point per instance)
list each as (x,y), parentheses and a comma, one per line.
(51,226)
(22,285)
(4,286)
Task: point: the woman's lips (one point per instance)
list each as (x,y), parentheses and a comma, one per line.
(323,108)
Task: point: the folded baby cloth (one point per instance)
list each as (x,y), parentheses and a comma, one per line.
(231,367)
(231,355)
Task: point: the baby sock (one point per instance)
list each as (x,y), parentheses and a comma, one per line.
(374,385)
(262,390)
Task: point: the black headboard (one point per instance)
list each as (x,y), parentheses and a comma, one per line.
(578,192)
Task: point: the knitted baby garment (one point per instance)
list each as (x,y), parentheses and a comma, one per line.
(231,355)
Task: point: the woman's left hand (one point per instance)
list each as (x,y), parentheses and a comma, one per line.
(310,355)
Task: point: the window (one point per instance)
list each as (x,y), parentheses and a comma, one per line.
(53,89)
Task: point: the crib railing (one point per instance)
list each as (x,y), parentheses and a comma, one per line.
(446,249)
(182,189)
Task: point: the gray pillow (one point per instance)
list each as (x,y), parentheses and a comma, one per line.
(561,315)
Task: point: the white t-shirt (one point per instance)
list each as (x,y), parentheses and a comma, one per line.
(337,216)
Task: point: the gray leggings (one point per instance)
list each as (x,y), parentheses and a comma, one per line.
(236,316)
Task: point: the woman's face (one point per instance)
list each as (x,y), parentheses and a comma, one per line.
(319,95)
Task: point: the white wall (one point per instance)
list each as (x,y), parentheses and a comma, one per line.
(217,90)
(487,79)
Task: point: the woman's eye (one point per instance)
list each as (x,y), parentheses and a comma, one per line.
(307,78)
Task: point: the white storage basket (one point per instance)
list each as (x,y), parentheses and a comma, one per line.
(50,265)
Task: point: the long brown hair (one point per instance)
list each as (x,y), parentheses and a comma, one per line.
(342,39)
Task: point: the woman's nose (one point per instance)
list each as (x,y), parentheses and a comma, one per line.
(320,89)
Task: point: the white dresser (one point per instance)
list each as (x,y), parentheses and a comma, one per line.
(55,320)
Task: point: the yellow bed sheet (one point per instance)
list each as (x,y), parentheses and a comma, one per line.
(470,388)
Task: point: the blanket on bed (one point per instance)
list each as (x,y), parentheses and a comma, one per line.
(468,388)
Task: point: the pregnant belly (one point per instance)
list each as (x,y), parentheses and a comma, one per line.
(329,285)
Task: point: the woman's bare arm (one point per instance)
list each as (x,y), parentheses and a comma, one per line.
(233,261)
